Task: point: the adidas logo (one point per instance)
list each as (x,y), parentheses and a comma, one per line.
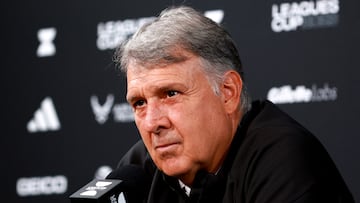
(45,118)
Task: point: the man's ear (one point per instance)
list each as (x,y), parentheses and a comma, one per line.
(231,90)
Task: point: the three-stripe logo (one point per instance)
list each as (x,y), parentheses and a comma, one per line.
(45,118)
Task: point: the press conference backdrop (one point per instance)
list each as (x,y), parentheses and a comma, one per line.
(64,118)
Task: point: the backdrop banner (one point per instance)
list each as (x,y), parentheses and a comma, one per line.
(65,119)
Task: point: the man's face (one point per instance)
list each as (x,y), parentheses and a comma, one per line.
(182,122)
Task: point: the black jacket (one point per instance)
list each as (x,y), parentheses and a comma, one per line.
(272,159)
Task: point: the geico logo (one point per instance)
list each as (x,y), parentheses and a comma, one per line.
(41,185)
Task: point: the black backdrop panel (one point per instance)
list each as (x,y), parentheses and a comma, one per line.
(65,119)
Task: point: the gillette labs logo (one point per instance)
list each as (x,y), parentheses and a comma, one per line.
(301,94)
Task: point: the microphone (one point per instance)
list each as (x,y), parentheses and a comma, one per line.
(127,184)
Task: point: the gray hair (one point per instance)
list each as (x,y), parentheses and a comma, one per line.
(182,28)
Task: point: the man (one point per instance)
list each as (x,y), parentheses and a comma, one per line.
(202,140)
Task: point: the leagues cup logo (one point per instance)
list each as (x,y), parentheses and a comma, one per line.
(305,14)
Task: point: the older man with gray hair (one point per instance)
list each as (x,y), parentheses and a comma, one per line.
(202,138)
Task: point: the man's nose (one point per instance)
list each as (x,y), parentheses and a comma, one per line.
(156,118)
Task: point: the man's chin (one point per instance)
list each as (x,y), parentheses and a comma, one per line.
(174,168)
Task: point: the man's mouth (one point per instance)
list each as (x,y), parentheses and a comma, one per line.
(166,147)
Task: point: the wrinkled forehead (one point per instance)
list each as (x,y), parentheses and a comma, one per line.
(175,56)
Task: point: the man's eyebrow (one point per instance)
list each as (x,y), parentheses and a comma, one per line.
(169,86)
(157,89)
(131,98)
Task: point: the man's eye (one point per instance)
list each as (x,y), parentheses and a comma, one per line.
(139,103)
(172,93)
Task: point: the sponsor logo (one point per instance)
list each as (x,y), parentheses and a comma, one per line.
(45,118)
(305,15)
(301,94)
(122,112)
(111,34)
(90,193)
(46,47)
(92,190)
(47,185)
(103,183)
(102,111)
(120,199)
